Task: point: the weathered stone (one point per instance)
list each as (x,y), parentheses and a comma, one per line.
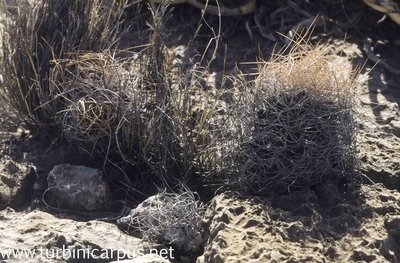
(16,183)
(77,187)
(38,230)
(299,227)
(379,134)
(380,157)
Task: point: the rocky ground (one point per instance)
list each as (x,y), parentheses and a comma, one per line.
(37,229)
(326,224)
(321,224)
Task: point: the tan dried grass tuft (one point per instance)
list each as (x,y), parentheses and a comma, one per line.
(313,67)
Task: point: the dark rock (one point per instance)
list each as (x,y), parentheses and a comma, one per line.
(77,187)
(16,184)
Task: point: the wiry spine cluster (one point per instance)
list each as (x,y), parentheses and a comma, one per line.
(169,218)
(294,126)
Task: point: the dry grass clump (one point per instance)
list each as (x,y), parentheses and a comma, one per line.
(40,31)
(63,70)
(95,89)
(203,113)
(218,137)
(128,108)
(295,125)
(113,109)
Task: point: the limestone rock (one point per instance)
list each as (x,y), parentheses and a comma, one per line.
(38,230)
(379,130)
(77,187)
(304,227)
(380,157)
